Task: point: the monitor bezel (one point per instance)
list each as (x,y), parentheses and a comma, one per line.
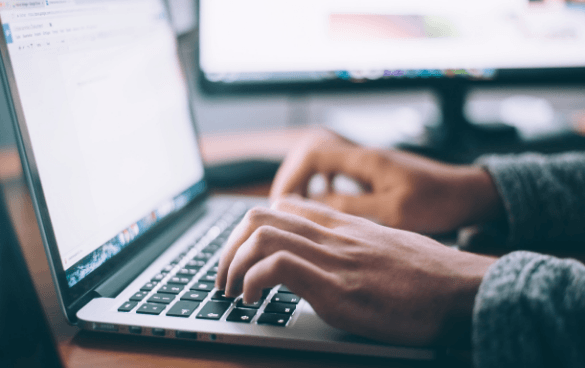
(537,77)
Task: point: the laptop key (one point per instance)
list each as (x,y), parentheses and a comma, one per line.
(213,310)
(215,269)
(179,258)
(220,295)
(167,269)
(254,305)
(196,296)
(286,298)
(151,308)
(203,256)
(179,280)
(148,286)
(210,276)
(171,289)
(127,307)
(265,293)
(195,264)
(215,245)
(273,319)
(203,286)
(241,315)
(211,248)
(161,298)
(284,308)
(138,296)
(187,272)
(284,289)
(182,309)
(158,277)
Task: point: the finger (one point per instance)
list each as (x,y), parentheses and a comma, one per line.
(255,218)
(266,241)
(299,275)
(295,173)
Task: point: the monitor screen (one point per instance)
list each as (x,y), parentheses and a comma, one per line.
(105,104)
(265,41)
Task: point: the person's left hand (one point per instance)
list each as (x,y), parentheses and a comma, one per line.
(374,281)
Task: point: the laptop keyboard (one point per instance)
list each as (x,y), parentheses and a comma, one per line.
(185,287)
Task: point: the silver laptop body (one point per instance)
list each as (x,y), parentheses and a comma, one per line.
(106,136)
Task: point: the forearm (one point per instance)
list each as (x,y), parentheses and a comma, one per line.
(529,313)
(543,196)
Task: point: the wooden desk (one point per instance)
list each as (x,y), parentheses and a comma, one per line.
(89,349)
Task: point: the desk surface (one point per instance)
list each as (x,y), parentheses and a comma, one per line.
(82,348)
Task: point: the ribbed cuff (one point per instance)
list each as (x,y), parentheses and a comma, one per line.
(529,312)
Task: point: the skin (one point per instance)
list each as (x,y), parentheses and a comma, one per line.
(391,285)
(374,279)
(403,190)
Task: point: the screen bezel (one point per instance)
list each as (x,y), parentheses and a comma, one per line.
(504,77)
(70,297)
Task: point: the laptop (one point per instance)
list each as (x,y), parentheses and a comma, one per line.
(25,339)
(106,135)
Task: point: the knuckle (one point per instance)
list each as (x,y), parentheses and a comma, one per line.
(280,262)
(256,215)
(260,239)
(264,233)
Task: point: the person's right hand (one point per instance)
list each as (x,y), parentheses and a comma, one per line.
(402,190)
(386,284)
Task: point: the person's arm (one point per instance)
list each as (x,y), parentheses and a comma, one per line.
(530,312)
(543,197)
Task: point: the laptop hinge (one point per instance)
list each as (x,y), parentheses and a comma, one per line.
(114,284)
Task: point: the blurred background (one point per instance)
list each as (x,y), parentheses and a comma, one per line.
(379,117)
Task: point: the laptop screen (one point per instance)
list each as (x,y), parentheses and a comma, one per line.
(106,108)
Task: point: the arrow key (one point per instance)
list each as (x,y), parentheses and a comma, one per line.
(182,309)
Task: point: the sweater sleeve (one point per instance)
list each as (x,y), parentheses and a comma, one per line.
(530,312)
(544,198)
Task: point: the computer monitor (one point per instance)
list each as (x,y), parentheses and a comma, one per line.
(308,46)
(331,43)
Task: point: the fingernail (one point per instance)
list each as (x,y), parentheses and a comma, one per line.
(248,301)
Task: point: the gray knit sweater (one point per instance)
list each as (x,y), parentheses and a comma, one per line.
(530,308)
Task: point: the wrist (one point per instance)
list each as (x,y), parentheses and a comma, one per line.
(479,193)
(457,324)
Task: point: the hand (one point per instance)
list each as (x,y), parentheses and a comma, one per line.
(374,281)
(403,190)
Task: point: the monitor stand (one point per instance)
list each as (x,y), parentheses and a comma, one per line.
(457,140)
